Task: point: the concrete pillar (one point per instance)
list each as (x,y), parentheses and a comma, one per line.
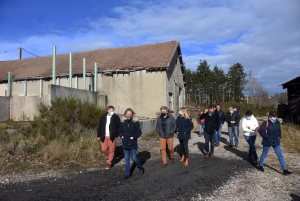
(84,75)
(70,71)
(96,78)
(9,84)
(41,88)
(54,66)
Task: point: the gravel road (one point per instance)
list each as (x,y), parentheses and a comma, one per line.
(226,177)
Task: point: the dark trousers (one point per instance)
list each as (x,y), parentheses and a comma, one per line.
(184,147)
(209,138)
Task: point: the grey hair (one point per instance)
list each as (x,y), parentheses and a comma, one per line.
(164,108)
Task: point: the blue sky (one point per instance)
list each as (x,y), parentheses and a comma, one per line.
(264,36)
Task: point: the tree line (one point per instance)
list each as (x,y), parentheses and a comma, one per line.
(206,86)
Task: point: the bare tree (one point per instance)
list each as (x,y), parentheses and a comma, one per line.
(258,94)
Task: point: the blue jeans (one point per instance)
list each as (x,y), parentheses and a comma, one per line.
(278,153)
(201,128)
(233,131)
(209,138)
(252,149)
(127,154)
(218,135)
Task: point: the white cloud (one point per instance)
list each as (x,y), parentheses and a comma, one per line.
(263,36)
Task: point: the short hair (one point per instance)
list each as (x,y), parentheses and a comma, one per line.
(129,109)
(219,105)
(164,108)
(273,113)
(110,107)
(211,106)
(248,113)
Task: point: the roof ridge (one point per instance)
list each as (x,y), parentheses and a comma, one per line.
(86,51)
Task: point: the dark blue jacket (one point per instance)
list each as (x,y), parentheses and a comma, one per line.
(184,127)
(170,127)
(130,129)
(212,123)
(273,134)
(221,116)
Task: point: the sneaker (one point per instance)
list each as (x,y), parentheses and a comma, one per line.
(142,170)
(107,166)
(126,177)
(206,155)
(236,146)
(230,146)
(211,155)
(164,165)
(172,161)
(199,135)
(286,172)
(261,168)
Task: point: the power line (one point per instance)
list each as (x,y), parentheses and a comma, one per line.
(29,52)
(8,50)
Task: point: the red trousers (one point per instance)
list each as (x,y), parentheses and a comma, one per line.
(108,148)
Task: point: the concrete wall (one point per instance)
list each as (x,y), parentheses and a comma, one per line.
(3,89)
(26,105)
(148,125)
(142,91)
(66,92)
(4,108)
(175,86)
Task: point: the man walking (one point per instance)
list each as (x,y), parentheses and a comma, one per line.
(212,123)
(233,119)
(166,127)
(219,131)
(108,131)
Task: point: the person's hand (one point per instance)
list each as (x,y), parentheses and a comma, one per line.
(131,138)
(122,137)
(98,138)
(248,127)
(206,110)
(233,122)
(184,132)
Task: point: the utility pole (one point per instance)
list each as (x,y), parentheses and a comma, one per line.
(20,53)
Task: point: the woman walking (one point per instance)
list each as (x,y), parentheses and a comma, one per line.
(130,131)
(166,127)
(184,128)
(271,133)
(249,125)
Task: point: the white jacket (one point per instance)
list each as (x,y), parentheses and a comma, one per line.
(252,123)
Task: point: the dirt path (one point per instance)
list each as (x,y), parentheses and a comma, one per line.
(226,177)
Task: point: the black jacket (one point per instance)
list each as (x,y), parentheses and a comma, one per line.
(234,117)
(212,123)
(130,129)
(114,127)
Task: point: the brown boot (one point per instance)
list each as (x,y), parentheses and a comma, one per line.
(182,158)
(186,162)
(211,155)
(206,155)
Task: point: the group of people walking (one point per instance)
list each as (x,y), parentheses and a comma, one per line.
(210,123)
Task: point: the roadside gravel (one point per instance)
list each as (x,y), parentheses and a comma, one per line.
(226,177)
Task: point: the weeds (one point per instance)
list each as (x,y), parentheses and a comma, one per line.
(150,136)
(291,137)
(62,133)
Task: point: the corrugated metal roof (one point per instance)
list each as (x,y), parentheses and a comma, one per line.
(157,55)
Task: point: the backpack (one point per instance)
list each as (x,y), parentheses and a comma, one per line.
(258,128)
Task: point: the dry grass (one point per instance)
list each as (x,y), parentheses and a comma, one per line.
(291,137)
(152,136)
